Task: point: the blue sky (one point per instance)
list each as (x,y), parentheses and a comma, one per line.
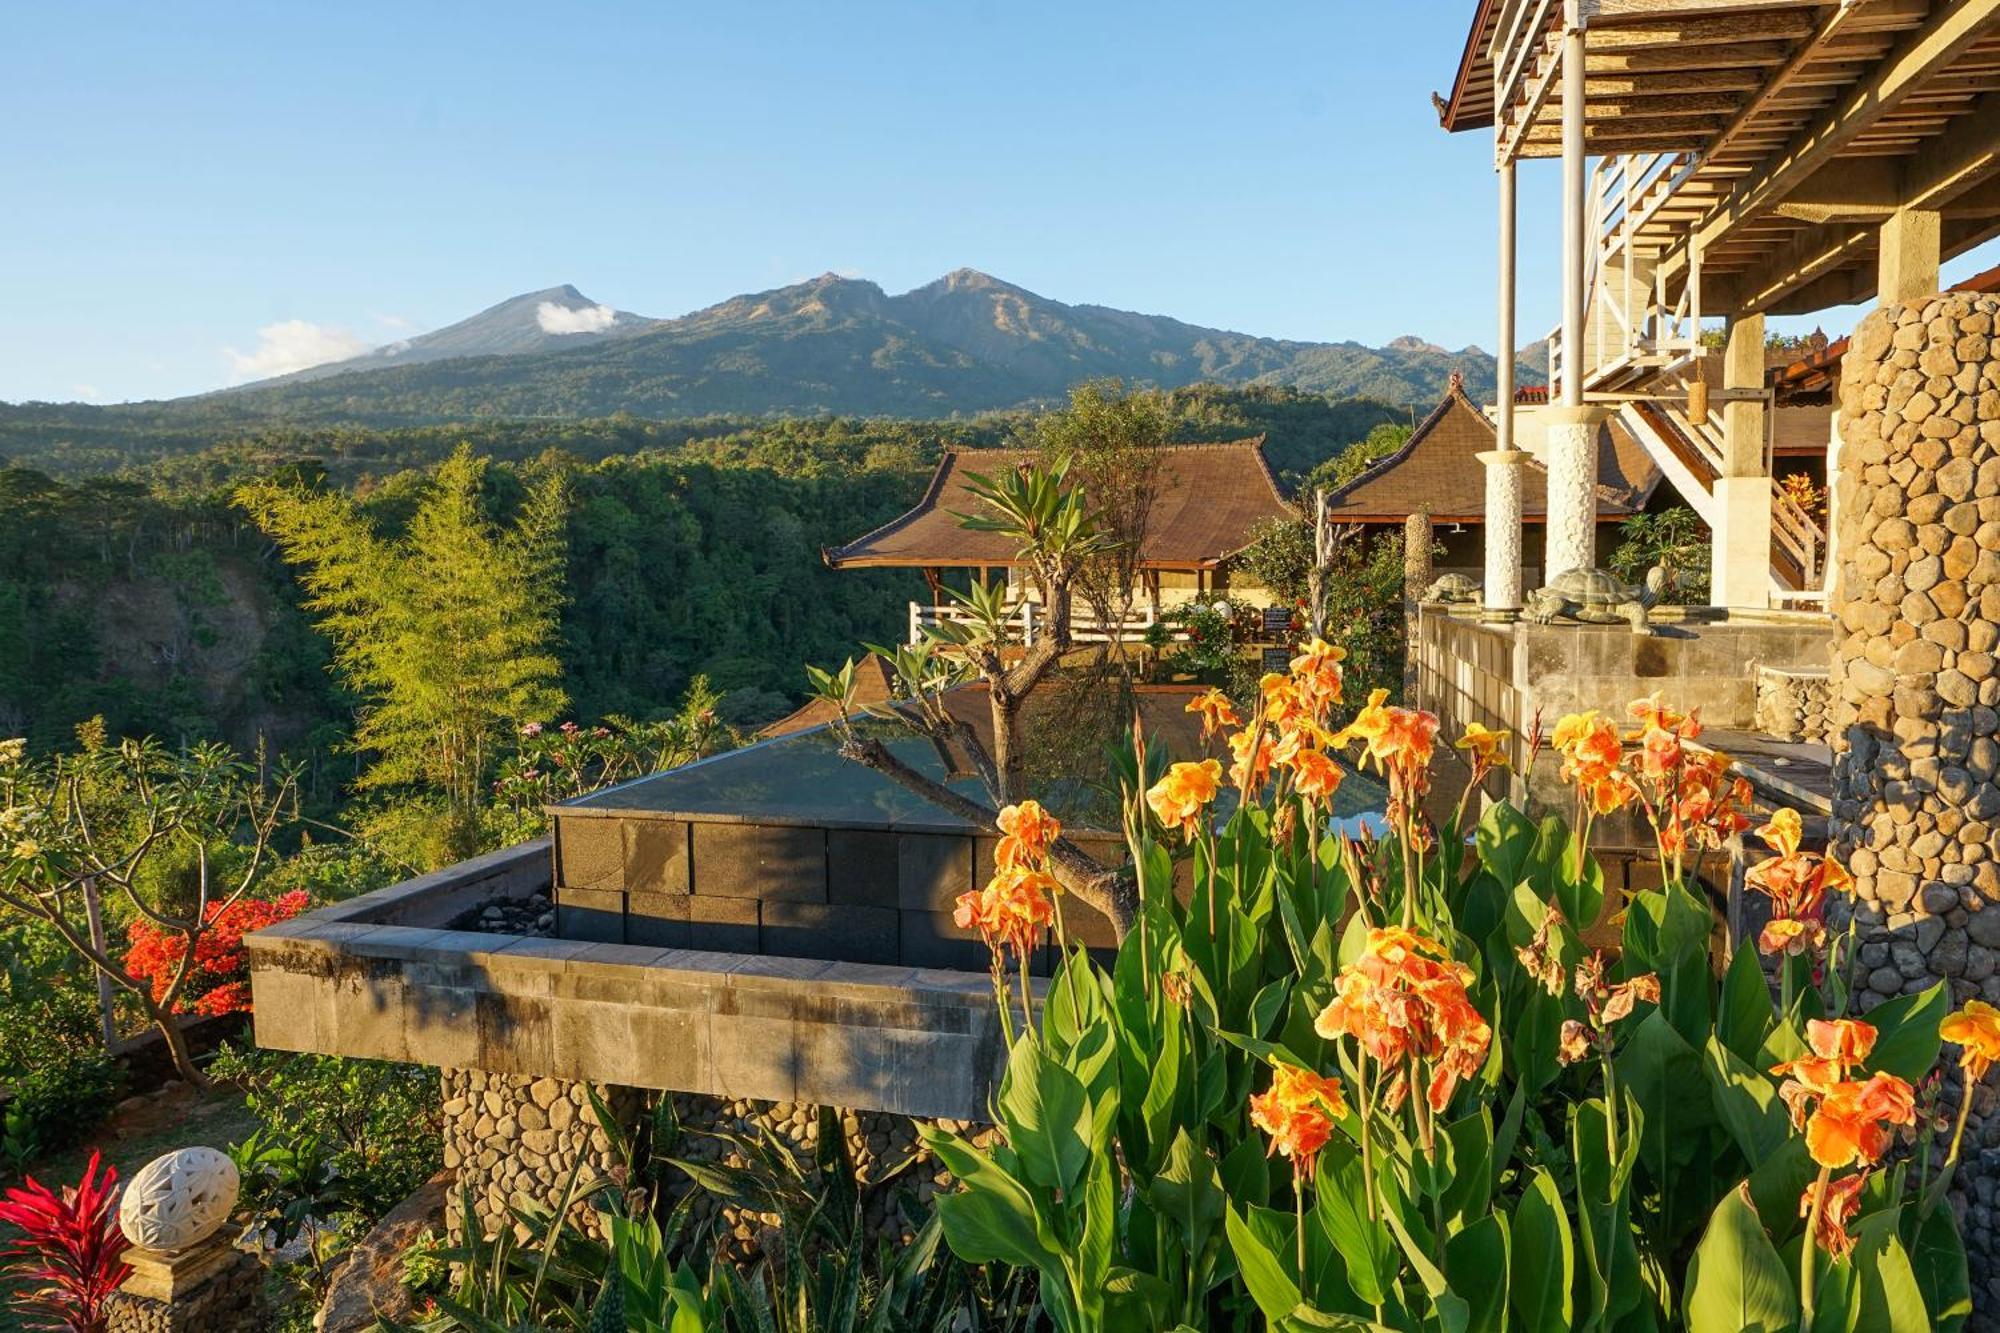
(182,177)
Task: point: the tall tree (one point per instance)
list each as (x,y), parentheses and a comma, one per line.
(446,628)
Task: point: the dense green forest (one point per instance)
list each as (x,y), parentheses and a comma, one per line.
(147,595)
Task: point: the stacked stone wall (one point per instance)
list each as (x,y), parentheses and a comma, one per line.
(229,1301)
(1793,705)
(510,1139)
(1916,701)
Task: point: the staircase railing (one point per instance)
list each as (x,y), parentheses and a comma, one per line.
(1801,538)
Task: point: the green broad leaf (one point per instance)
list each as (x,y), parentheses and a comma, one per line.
(1664,1074)
(1100,1229)
(1937,1258)
(1246,1173)
(1267,1277)
(1906,1032)
(1736,1282)
(1746,1102)
(1747,1013)
(1778,1183)
(1477,1260)
(1889,1298)
(1542,1264)
(1136,1302)
(1505,842)
(1581,892)
(1269,1003)
(1341,1202)
(1611,1258)
(1156,1111)
(1184,1191)
(1448,1308)
(993,1218)
(1471,1193)
(1046,1116)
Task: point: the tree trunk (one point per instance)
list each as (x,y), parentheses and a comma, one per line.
(168,1024)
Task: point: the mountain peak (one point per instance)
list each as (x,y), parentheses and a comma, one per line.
(1410,342)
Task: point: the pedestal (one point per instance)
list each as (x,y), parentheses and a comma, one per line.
(212,1287)
(1503,533)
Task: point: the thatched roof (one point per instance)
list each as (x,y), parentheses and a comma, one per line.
(1438,470)
(1210,497)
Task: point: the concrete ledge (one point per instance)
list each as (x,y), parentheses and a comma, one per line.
(375,980)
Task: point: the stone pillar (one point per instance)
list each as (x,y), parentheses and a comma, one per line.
(1740,552)
(1571,457)
(209,1286)
(1907,266)
(1503,532)
(509,1137)
(1916,702)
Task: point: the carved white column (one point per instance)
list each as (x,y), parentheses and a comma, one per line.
(1571,458)
(1503,531)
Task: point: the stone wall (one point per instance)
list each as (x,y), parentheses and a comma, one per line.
(509,1136)
(1793,705)
(212,1288)
(512,1139)
(1916,703)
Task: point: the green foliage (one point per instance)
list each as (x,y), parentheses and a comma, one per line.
(1357,458)
(1674,539)
(448,628)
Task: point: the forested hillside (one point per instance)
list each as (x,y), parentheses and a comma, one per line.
(149,596)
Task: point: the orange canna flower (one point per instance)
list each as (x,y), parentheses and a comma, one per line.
(1975,1030)
(1010,912)
(1797,883)
(1652,714)
(1484,746)
(1255,752)
(1297,1111)
(1839,1202)
(1282,701)
(1792,937)
(1590,747)
(1404,1002)
(1846,1041)
(1178,799)
(1029,833)
(1216,712)
(1316,673)
(1316,776)
(1784,832)
(1850,1124)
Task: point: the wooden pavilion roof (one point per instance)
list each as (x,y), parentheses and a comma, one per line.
(1438,470)
(1795,125)
(1211,495)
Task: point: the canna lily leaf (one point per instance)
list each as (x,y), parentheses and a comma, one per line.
(1736,1282)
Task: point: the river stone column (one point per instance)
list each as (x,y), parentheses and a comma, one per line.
(1416,578)
(1916,703)
(1571,458)
(1503,531)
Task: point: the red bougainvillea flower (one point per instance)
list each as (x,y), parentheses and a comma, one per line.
(1216,712)
(1029,831)
(1178,799)
(1797,883)
(1975,1030)
(68,1258)
(1297,1112)
(1839,1201)
(215,982)
(1405,1004)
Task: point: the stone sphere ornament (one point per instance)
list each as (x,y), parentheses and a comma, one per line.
(178,1200)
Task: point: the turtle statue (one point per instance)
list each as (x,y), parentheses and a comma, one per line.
(1596,597)
(1452,589)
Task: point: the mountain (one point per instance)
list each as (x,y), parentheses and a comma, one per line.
(555,317)
(965,344)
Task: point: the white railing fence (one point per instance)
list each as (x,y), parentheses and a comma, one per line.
(1027,617)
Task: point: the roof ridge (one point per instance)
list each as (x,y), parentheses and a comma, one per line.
(1453,395)
(829,554)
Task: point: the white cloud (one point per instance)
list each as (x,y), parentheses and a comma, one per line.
(292,344)
(86,393)
(587,319)
(395,322)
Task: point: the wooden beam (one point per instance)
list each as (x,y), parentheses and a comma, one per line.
(1619,9)
(1963,156)
(1787,25)
(1742,55)
(1925,51)
(1684,81)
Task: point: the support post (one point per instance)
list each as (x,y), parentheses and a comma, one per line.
(1574,205)
(1910,255)
(1416,578)
(1503,392)
(1740,551)
(1502,601)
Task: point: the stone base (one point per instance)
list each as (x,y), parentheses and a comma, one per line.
(211,1288)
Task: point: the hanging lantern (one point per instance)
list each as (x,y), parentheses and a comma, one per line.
(1698,397)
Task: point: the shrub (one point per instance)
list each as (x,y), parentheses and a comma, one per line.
(68,1258)
(216,983)
(1358,1086)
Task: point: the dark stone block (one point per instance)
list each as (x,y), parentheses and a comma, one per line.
(772,863)
(723,925)
(861,867)
(656,856)
(932,870)
(595,915)
(590,852)
(843,933)
(657,919)
(933,939)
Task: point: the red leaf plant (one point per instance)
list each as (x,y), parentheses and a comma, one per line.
(215,983)
(69,1257)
